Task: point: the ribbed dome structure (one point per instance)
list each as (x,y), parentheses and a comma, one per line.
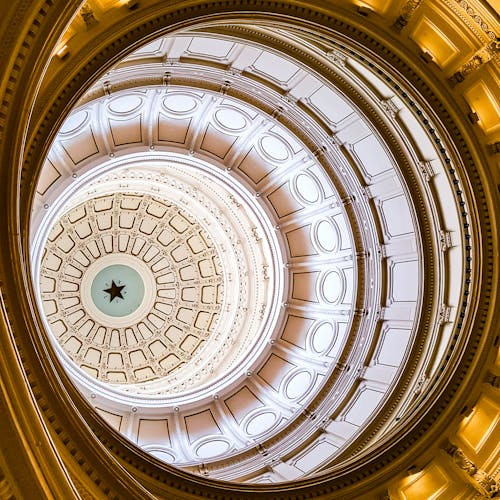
(308,314)
(250,250)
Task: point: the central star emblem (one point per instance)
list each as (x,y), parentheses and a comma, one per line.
(114,291)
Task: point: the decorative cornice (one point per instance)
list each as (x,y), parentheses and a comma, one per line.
(466,6)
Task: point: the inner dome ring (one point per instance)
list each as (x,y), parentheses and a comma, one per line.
(224,227)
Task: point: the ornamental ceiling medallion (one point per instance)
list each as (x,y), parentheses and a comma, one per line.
(138,289)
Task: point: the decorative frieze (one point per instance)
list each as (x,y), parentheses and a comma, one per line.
(477,18)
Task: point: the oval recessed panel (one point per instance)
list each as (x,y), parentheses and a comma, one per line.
(125,104)
(180,103)
(230,119)
(327,236)
(162,455)
(274,148)
(260,423)
(212,448)
(307,188)
(332,287)
(74,122)
(298,385)
(323,338)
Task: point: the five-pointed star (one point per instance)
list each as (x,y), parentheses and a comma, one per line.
(114,291)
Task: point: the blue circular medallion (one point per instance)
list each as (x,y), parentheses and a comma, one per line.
(117,290)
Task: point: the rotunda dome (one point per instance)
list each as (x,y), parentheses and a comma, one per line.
(252,250)
(248,305)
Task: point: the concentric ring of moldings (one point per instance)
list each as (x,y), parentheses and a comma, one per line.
(187,285)
(237,233)
(388,208)
(304,13)
(306,210)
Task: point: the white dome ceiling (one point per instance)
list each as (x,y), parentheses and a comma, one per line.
(301,208)
(198,246)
